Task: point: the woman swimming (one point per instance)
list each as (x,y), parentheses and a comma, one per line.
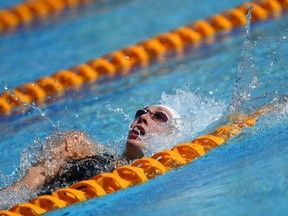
(76,157)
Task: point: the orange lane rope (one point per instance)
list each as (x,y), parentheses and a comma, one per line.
(121,62)
(138,172)
(24,14)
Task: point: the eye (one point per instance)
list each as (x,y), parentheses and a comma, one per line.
(161,117)
(139,113)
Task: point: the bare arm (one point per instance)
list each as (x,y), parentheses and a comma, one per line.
(73,145)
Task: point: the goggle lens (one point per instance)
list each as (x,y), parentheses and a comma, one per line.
(157,116)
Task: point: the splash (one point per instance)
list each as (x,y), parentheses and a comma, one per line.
(52,154)
(119,111)
(10,198)
(197,114)
(247,81)
(248,19)
(25,106)
(254,90)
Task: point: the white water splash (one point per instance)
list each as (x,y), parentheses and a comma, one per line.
(248,19)
(119,111)
(247,80)
(33,106)
(44,151)
(10,198)
(197,114)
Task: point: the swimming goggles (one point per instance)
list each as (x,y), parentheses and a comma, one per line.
(157,116)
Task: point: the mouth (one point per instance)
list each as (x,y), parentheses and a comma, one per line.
(137,132)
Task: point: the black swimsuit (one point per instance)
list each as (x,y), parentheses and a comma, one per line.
(79,170)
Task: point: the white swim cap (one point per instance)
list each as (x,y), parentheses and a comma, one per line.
(173,112)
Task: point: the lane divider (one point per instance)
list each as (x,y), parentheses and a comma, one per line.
(138,172)
(123,61)
(24,14)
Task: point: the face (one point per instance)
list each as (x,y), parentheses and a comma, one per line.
(145,121)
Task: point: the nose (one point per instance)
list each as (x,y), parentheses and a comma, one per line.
(145,118)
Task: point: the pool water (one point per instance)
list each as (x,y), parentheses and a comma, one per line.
(246,176)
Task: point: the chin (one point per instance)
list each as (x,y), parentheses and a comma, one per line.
(133,149)
(135,142)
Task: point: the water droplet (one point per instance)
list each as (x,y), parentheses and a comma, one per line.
(210,92)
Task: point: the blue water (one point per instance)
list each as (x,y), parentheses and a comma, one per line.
(246,176)
(92,32)
(241,178)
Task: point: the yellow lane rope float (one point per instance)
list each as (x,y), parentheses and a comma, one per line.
(138,172)
(24,14)
(142,54)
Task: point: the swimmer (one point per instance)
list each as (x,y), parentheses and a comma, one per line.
(74,158)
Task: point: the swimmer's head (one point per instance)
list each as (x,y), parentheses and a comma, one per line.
(146,119)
